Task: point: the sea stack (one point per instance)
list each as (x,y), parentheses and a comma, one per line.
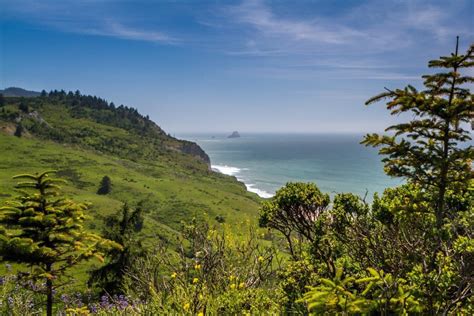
(234,134)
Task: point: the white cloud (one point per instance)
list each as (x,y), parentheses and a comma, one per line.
(118,30)
(371,27)
(256,14)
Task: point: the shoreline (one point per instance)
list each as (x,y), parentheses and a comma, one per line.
(234,171)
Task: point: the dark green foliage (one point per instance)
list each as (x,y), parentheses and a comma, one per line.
(24,107)
(220,219)
(2,100)
(19,130)
(105,186)
(122,228)
(46,232)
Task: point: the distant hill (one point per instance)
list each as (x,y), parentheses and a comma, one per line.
(19,92)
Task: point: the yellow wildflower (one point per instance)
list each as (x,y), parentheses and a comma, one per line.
(241,285)
(232,286)
(197,267)
(186,306)
(200,314)
(174,275)
(195,280)
(260,258)
(231,278)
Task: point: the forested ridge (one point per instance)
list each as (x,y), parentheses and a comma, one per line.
(67,117)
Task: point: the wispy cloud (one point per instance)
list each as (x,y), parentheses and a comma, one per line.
(261,17)
(85,17)
(370,27)
(118,30)
(369,40)
(289,73)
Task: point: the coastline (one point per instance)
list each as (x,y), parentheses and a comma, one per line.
(234,171)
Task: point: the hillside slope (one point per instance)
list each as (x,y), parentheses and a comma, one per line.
(86,138)
(18,92)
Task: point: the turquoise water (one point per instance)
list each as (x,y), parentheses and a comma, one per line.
(265,162)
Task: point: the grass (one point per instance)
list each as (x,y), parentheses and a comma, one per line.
(170,194)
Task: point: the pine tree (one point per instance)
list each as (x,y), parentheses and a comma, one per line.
(45,231)
(2,100)
(426,149)
(19,130)
(105,186)
(122,228)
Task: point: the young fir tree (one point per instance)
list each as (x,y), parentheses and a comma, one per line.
(426,149)
(19,130)
(432,153)
(45,231)
(105,186)
(122,228)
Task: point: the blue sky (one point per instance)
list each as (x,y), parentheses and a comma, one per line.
(252,66)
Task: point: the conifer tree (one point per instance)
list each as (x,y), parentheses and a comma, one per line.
(2,100)
(122,228)
(432,153)
(19,130)
(105,186)
(426,149)
(45,231)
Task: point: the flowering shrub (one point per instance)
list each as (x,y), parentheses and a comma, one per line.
(215,273)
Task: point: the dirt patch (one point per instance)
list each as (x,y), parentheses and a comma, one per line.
(7,128)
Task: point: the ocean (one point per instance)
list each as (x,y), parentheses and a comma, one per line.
(265,162)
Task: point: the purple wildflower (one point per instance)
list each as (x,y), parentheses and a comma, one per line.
(93,308)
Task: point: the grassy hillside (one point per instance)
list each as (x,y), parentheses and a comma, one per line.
(169,178)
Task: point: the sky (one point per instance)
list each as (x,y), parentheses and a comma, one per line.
(218,66)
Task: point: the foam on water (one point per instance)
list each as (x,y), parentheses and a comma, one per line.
(264,194)
(234,171)
(230,171)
